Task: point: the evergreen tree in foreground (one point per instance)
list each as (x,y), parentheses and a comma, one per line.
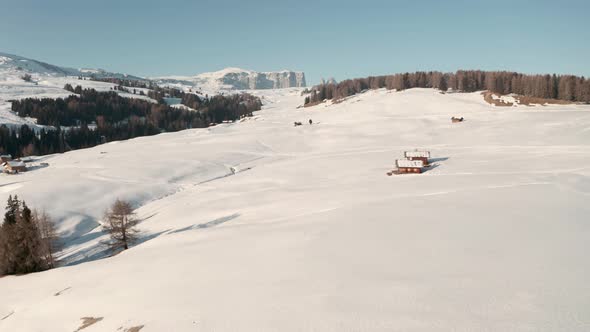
(27,240)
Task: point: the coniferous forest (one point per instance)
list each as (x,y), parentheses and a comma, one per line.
(91,118)
(28,239)
(562,87)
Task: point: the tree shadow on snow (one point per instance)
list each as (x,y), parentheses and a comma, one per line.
(209,224)
(98,250)
(83,231)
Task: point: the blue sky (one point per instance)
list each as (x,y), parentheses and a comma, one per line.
(341,39)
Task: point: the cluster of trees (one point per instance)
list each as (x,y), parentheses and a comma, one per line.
(159,93)
(92,118)
(219,108)
(564,87)
(84,108)
(127,83)
(28,240)
(22,141)
(27,78)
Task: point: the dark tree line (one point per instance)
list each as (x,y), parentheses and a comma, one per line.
(95,117)
(28,240)
(563,87)
(84,108)
(127,83)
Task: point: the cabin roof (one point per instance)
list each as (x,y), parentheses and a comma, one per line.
(15,163)
(422,154)
(409,163)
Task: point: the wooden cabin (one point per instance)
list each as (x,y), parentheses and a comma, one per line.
(405,166)
(15,166)
(4,158)
(418,155)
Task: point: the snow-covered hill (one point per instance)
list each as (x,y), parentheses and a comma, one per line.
(263,226)
(236,79)
(14,65)
(47,81)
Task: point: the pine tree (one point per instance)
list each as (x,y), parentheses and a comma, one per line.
(28,256)
(21,243)
(442,83)
(12,210)
(8,237)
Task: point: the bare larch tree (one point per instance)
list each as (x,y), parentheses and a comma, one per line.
(50,240)
(120,223)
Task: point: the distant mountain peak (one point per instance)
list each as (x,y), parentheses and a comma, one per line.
(233,78)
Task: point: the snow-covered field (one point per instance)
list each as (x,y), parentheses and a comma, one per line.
(262,226)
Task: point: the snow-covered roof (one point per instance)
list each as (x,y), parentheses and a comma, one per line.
(419,154)
(15,163)
(409,163)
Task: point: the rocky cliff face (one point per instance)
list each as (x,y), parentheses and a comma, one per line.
(277,80)
(236,79)
(240,79)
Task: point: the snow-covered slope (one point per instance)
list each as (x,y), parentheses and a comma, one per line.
(11,65)
(47,82)
(263,226)
(237,79)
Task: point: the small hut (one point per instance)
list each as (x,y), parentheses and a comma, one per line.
(418,155)
(405,166)
(4,158)
(15,166)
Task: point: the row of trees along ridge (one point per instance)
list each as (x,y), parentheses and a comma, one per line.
(563,87)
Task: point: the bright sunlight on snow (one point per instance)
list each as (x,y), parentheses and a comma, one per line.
(260,225)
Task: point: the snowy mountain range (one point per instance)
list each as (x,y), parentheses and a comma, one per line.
(14,64)
(238,79)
